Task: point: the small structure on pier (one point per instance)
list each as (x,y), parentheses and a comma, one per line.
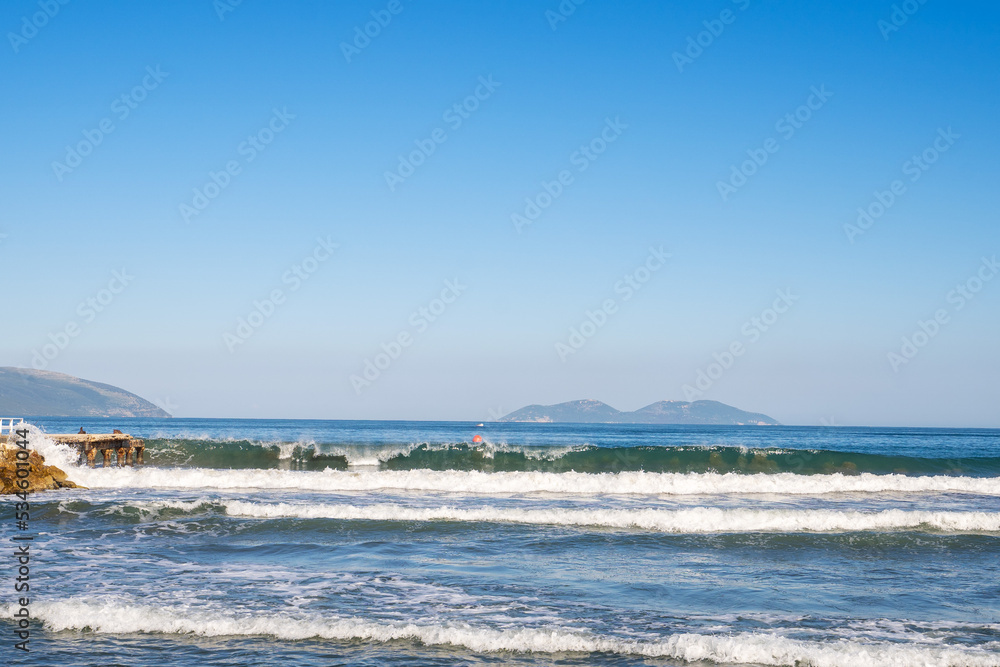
(128,450)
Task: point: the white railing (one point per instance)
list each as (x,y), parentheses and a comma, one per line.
(9,424)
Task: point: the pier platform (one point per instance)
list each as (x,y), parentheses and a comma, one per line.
(126,449)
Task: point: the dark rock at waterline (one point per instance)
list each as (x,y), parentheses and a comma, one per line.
(41,477)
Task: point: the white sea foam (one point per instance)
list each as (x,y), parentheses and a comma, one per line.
(156,506)
(121,617)
(367,455)
(694,520)
(489,450)
(59,455)
(571,483)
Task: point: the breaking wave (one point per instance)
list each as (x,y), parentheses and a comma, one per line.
(489,457)
(571,483)
(245,454)
(693,520)
(124,617)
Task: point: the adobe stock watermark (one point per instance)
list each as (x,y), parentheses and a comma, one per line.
(167,405)
(363,35)
(696,44)
(958,298)
(248,150)
(264,309)
(562,13)
(915,167)
(419,321)
(87,311)
(751,332)
(121,108)
(594,320)
(223,7)
(900,14)
(30,25)
(454,116)
(786,127)
(581,159)
(22,538)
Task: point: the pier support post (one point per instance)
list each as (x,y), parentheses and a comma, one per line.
(121,456)
(128,455)
(106,453)
(91,452)
(138,455)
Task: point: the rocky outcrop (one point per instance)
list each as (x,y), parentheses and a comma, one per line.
(41,478)
(663,412)
(25,392)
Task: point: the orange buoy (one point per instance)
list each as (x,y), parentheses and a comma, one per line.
(477,438)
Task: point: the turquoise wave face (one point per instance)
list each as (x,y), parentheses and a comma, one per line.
(247,454)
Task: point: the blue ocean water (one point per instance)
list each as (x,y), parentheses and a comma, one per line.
(256,542)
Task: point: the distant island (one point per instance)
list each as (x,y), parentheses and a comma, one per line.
(28,392)
(589,411)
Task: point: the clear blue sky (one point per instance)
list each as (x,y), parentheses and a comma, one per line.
(673,128)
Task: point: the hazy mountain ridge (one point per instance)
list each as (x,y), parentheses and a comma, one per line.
(589,411)
(29,392)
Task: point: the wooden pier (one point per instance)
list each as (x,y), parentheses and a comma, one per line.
(128,450)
